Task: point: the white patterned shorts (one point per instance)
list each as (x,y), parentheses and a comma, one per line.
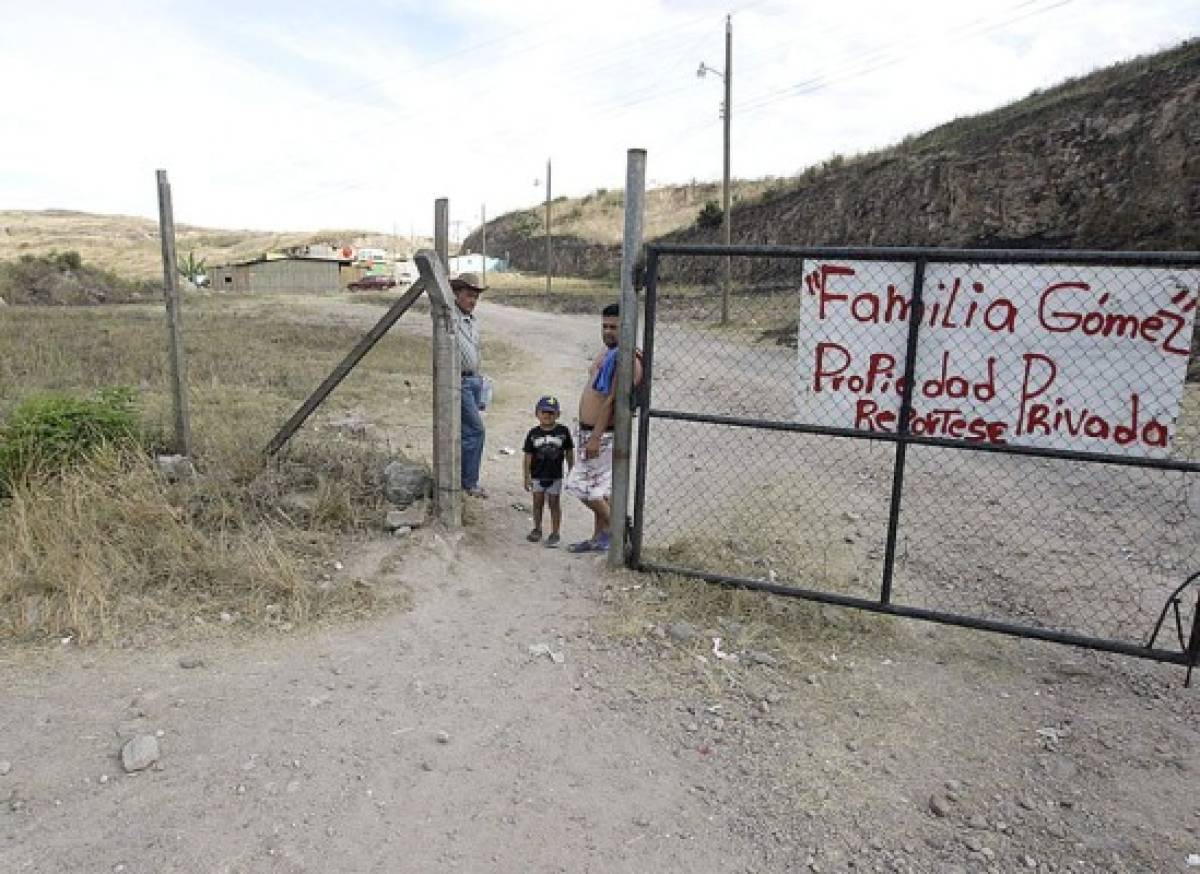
(591,478)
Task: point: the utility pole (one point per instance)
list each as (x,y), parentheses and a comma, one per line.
(457,223)
(441,230)
(548,245)
(726,116)
(483,243)
(727,224)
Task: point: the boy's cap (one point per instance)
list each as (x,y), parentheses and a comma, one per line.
(468,280)
(549,403)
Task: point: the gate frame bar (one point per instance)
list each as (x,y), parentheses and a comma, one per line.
(1188,656)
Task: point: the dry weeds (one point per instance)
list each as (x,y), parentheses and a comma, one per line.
(110,547)
(794,631)
(107,546)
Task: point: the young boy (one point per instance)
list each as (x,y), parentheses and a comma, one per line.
(546,446)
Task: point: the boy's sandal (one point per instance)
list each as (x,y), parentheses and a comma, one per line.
(582,546)
(534,536)
(552,540)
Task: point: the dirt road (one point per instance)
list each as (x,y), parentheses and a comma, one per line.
(435,740)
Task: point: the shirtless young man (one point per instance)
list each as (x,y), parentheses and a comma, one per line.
(591,478)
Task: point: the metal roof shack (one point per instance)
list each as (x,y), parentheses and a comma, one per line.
(280,276)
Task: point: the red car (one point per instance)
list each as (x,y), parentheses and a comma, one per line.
(372,282)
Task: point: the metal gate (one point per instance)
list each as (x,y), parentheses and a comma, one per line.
(831,440)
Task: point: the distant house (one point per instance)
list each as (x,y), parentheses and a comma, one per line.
(406,270)
(370,256)
(321,250)
(473,262)
(280,276)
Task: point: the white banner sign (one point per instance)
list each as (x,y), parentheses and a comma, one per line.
(1080,358)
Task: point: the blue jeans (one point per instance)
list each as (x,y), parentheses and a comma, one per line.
(472,431)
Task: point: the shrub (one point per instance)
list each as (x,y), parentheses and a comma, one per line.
(527,224)
(48,433)
(710,215)
(61,278)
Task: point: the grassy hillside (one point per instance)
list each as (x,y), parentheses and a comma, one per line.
(599,217)
(129,246)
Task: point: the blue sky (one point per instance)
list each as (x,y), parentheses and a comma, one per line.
(300,115)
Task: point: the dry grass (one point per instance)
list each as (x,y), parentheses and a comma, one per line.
(110,548)
(251,364)
(600,216)
(795,633)
(568,294)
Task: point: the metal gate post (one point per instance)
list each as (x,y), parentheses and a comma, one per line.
(915,313)
(1193,648)
(639,493)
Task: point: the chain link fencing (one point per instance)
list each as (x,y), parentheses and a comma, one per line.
(1002,440)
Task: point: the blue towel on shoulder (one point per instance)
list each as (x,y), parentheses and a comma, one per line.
(607,373)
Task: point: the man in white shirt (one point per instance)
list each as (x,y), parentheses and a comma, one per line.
(467,288)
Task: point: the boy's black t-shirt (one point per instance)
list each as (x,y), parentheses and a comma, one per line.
(548,449)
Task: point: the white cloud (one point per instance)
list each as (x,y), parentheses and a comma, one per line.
(361,115)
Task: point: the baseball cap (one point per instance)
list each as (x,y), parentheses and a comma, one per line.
(549,403)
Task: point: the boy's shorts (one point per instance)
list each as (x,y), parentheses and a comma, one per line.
(591,478)
(540,487)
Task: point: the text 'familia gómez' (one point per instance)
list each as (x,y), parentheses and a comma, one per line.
(1068,357)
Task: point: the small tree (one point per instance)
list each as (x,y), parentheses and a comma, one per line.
(191,267)
(711,215)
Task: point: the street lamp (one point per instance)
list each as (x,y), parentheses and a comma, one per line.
(726,76)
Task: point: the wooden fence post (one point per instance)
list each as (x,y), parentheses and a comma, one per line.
(166,229)
(447,392)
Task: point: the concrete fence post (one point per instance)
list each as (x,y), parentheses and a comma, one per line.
(447,392)
(635,213)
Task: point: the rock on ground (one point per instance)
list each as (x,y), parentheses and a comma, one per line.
(406,481)
(175,468)
(412,516)
(139,753)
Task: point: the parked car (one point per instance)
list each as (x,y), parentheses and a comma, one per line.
(372,282)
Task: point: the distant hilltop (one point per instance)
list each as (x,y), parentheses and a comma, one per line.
(1106,161)
(129,245)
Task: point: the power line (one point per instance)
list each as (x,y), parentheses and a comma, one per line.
(395,121)
(877,58)
(883,57)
